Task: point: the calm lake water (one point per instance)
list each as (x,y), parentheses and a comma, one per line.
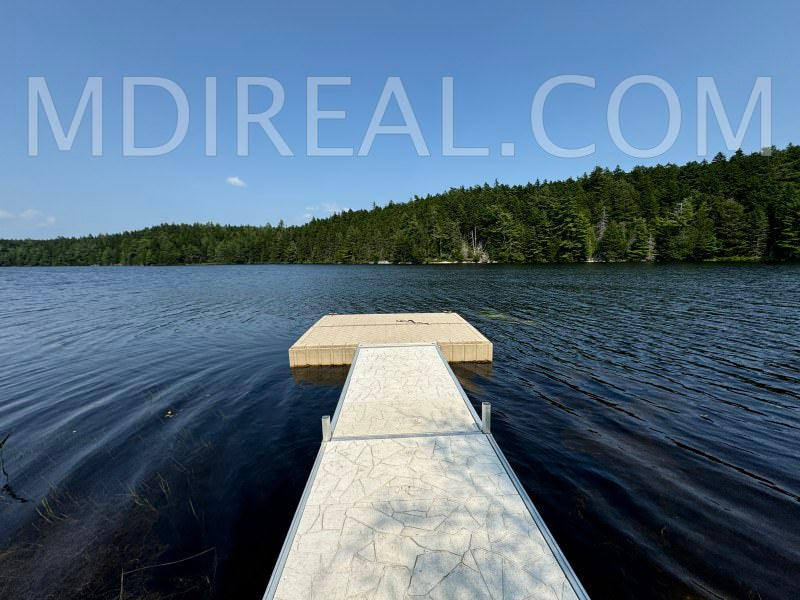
(652,413)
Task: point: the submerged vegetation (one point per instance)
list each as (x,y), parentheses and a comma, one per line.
(110,542)
(745,207)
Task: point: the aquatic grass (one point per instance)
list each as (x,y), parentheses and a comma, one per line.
(47,512)
(99,541)
(163,484)
(194,512)
(41,562)
(140,500)
(169,564)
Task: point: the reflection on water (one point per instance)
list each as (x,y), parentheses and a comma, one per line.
(151,419)
(320,375)
(7,488)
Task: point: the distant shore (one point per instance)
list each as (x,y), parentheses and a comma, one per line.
(727,260)
(745,208)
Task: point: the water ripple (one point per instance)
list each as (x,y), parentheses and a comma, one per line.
(653,414)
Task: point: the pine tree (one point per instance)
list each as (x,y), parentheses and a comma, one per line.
(758,231)
(789,220)
(703,241)
(506,236)
(573,234)
(641,243)
(731,228)
(614,245)
(672,238)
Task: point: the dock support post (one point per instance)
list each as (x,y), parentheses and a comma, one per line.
(326,428)
(486,417)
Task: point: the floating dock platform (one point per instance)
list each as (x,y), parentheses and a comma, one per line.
(410,497)
(334,338)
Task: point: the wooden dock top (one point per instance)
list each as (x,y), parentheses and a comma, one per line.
(409,498)
(334,338)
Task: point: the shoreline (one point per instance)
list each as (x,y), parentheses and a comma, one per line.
(730,260)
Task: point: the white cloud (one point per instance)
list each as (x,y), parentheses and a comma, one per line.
(323,210)
(30,216)
(235,181)
(326,208)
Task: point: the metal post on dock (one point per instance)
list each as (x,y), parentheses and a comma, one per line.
(486,417)
(326,428)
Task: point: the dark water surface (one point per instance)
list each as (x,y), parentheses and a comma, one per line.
(652,413)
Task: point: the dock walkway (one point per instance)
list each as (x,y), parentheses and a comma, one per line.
(410,498)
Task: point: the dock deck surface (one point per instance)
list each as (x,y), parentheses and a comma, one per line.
(334,338)
(410,499)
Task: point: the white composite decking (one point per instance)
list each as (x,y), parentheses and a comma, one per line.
(410,499)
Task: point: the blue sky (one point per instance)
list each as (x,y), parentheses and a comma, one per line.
(498,54)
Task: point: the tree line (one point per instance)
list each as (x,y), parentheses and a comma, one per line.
(742,207)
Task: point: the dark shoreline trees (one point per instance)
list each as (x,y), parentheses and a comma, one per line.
(747,206)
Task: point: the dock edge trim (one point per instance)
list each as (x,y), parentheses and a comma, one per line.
(277,570)
(562,561)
